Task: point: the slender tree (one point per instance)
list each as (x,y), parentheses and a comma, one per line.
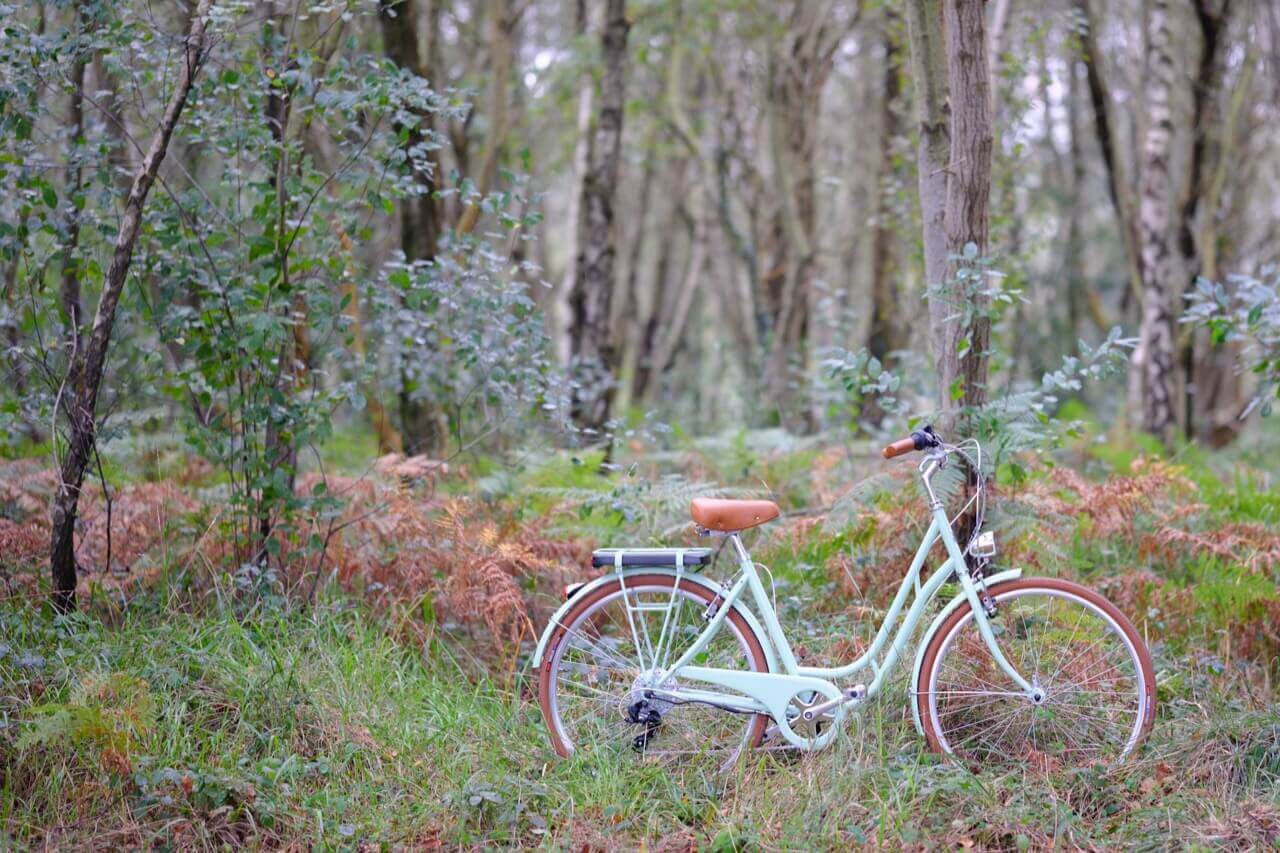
(592,342)
(968,338)
(567,285)
(78,399)
(501,17)
(885,332)
(69,291)
(1208,392)
(929,72)
(422,422)
(953,106)
(1154,378)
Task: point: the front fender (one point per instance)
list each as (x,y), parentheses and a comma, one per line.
(999,577)
(707,584)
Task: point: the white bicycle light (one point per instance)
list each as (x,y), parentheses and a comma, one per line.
(984,545)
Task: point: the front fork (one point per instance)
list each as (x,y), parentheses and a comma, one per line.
(979,607)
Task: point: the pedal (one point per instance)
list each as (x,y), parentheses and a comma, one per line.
(856,693)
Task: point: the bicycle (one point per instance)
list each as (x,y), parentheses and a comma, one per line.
(656,656)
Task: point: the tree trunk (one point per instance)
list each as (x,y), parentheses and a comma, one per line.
(1220,386)
(885,334)
(593,348)
(1153,372)
(500,22)
(567,286)
(629,310)
(1119,185)
(955,186)
(1209,127)
(968,196)
(1073,247)
(84,373)
(675,318)
(653,301)
(422,421)
(69,292)
(929,71)
(279,449)
(419,214)
(798,71)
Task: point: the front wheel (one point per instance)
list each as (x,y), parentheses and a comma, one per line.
(1096,685)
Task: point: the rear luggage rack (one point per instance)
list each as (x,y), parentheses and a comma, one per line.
(689,558)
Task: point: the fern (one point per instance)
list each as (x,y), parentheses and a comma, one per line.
(108,713)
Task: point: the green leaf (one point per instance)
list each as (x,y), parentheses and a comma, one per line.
(260,247)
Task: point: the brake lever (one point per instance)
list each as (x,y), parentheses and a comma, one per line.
(938,456)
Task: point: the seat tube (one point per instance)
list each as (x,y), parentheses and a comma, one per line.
(764,606)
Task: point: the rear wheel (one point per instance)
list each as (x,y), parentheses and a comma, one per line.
(1096,686)
(601,680)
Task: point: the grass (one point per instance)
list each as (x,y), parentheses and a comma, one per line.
(258,722)
(218,713)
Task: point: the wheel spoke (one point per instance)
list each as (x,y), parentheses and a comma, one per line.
(614,655)
(1093,698)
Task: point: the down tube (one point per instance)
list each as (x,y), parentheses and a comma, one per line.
(909,582)
(907,629)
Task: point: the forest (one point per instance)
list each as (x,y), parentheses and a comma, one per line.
(336,335)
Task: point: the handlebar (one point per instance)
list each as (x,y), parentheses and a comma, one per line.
(918,440)
(899,447)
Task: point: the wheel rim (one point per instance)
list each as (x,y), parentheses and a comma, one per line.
(596,676)
(1094,700)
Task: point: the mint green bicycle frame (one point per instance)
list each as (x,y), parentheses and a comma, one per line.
(773,692)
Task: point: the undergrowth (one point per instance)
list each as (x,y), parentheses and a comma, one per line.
(380,695)
(270,724)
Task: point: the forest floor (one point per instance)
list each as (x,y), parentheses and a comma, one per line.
(390,702)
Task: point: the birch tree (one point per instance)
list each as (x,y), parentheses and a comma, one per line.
(593,348)
(1167,225)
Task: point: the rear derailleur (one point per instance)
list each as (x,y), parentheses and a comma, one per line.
(642,713)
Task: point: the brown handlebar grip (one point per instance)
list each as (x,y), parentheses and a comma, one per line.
(899,447)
